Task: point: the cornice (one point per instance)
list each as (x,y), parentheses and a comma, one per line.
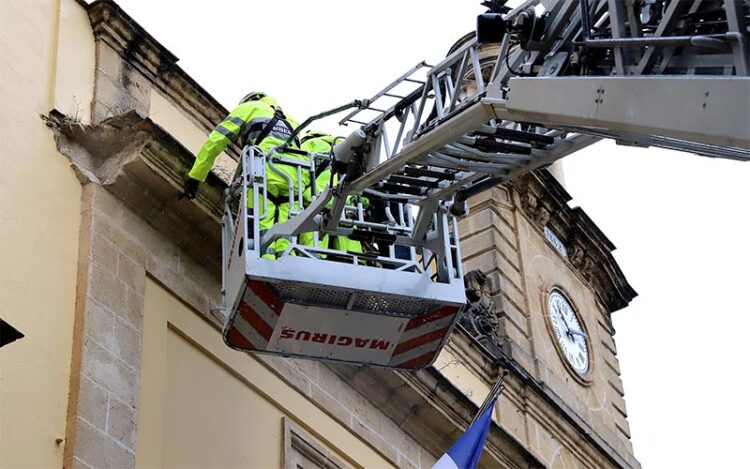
(544,201)
(114,27)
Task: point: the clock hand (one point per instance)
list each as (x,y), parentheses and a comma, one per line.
(575,332)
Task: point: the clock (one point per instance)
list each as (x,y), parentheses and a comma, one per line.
(571,339)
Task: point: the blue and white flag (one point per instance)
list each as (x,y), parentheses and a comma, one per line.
(464,454)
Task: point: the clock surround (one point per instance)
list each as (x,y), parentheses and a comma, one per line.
(562,317)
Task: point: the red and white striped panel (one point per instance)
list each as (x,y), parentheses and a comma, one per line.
(422,338)
(334,334)
(251,326)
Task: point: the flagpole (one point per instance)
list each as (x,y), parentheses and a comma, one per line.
(496,390)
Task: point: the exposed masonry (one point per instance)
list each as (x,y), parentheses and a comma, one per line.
(490,243)
(99,152)
(120,250)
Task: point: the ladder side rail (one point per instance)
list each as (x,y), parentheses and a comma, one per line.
(254,182)
(460,81)
(666,25)
(463,122)
(384,92)
(642,106)
(739,34)
(617,17)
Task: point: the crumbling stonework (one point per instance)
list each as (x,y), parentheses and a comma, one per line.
(134,228)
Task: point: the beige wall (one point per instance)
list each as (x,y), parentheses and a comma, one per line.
(204,405)
(39,222)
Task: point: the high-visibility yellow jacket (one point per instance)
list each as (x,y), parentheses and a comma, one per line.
(245,122)
(321,143)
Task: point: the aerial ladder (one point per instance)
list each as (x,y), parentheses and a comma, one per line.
(530,86)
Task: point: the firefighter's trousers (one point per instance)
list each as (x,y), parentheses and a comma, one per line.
(276,208)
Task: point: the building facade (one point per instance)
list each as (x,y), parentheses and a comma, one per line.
(114,284)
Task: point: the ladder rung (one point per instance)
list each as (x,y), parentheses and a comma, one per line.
(490,144)
(420,172)
(522,136)
(399,189)
(370,236)
(393,96)
(411,80)
(375,109)
(358,122)
(412,181)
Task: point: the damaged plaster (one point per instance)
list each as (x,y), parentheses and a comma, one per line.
(99,152)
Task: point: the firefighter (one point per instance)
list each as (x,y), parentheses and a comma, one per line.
(320,142)
(258,121)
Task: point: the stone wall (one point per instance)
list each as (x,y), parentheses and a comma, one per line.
(504,238)
(118,250)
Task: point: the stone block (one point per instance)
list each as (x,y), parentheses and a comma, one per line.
(332,383)
(481,241)
(614,380)
(484,262)
(137,87)
(127,344)
(168,253)
(520,353)
(78,464)
(103,251)
(308,368)
(113,99)
(131,273)
(487,216)
(288,373)
(104,203)
(121,423)
(621,423)
(404,462)
(399,439)
(513,304)
(108,60)
(513,332)
(106,288)
(120,238)
(99,323)
(133,311)
(115,295)
(618,403)
(426,459)
(374,439)
(363,410)
(105,369)
(92,403)
(511,418)
(330,405)
(488,220)
(96,449)
(508,271)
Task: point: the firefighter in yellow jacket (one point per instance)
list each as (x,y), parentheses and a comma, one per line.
(319,142)
(257,121)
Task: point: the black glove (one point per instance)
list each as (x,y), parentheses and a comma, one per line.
(191,188)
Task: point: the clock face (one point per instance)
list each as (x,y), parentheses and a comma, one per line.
(568,332)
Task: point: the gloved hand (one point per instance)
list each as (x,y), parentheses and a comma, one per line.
(191,188)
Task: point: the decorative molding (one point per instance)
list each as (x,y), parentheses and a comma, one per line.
(544,202)
(156,63)
(480,317)
(298,448)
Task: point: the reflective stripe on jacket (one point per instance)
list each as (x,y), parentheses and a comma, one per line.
(249,118)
